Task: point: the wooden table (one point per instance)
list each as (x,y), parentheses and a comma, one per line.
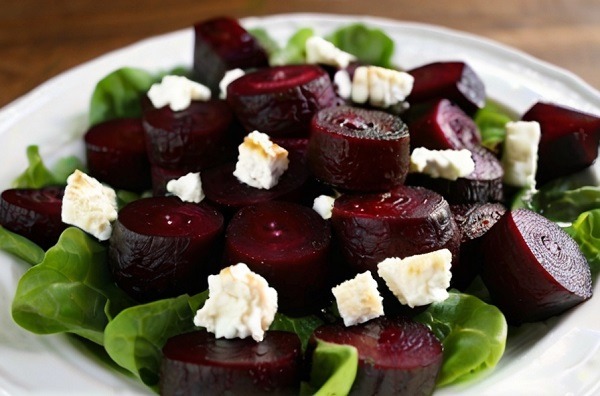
(40,38)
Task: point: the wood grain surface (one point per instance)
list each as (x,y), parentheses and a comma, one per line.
(42,38)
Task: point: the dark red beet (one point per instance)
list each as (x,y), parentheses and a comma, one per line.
(396,356)
(195,138)
(163,247)
(280,101)
(116,154)
(400,223)
(358,149)
(222,44)
(484,184)
(440,125)
(569,139)
(287,244)
(533,269)
(33,213)
(299,145)
(456,81)
(197,363)
(473,221)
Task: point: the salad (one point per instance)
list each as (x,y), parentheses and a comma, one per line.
(543,201)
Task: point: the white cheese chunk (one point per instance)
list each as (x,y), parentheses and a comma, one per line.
(381,87)
(323,205)
(358,299)
(188,187)
(319,50)
(240,304)
(520,153)
(177,92)
(342,84)
(260,161)
(418,280)
(446,164)
(89,205)
(228,78)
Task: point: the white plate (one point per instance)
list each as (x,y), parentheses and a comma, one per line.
(560,357)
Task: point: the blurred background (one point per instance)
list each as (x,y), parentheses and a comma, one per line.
(41,38)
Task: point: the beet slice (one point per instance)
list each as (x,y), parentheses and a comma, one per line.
(34,213)
(484,184)
(396,356)
(533,269)
(288,244)
(440,125)
(473,221)
(280,101)
(195,138)
(400,223)
(222,44)
(358,149)
(163,247)
(455,81)
(116,154)
(197,363)
(569,139)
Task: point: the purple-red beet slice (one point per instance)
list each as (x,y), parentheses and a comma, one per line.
(33,213)
(533,269)
(197,363)
(116,154)
(358,149)
(455,81)
(222,44)
(163,247)
(400,223)
(288,244)
(280,101)
(397,356)
(569,140)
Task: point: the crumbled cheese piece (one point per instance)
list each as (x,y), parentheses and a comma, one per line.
(228,78)
(446,164)
(240,304)
(260,161)
(177,92)
(342,84)
(358,299)
(188,188)
(319,50)
(323,205)
(89,205)
(381,87)
(418,280)
(520,153)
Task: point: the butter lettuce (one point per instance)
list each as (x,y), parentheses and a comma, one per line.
(371,46)
(38,175)
(491,121)
(585,230)
(333,370)
(20,247)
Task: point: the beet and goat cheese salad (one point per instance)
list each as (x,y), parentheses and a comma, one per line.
(306,218)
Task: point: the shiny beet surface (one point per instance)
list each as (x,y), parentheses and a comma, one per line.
(162,247)
(198,363)
(358,149)
(533,269)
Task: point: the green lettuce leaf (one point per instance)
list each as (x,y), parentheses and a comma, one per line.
(472,333)
(491,121)
(371,46)
(294,51)
(265,40)
(585,230)
(303,326)
(333,369)
(38,175)
(20,247)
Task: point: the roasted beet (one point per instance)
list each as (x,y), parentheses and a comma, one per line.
(455,81)
(280,101)
(116,154)
(397,356)
(195,138)
(400,223)
(440,125)
(358,149)
(287,244)
(222,44)
(198,363)
(569,140)
(484,184)
(33,213)
(533,269)
(163,247)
